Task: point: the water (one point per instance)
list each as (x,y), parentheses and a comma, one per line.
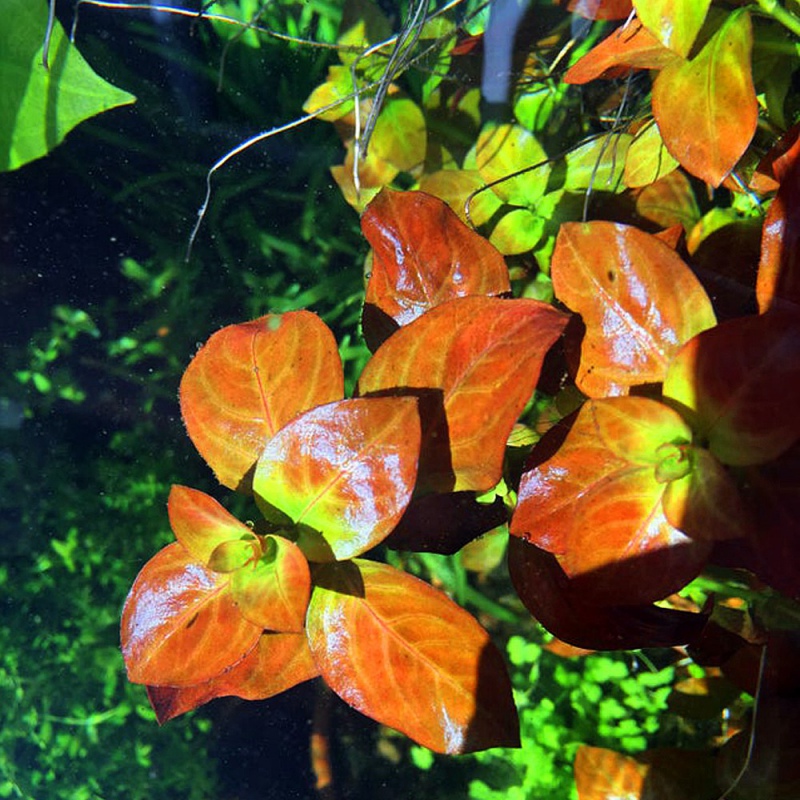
(100,314)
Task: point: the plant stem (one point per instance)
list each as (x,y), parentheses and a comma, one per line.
(780,14)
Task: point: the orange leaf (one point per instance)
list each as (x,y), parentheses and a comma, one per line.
(602,774)
(180,624)
(778,282)
(424,255)
(406,655)
(638,300)
(596,503)
(249,380)
(277,663)
(200,523)
(706,504)
(661,774)
(481,372)
(629,46)
(373,174)
(669,201)
(706,108)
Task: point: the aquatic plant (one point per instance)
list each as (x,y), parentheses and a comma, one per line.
(667,465)
(649,485)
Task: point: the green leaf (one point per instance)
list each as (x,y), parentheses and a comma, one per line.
(675,23)
(517,232)
(502,151)
(400,136)
(234,554)
(39,107)
(273,592)
(647,159)
(598,164)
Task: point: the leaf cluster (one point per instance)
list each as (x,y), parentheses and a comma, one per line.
(670,463)
(668,425)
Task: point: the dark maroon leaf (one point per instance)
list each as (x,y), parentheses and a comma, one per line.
(444,523)
(554,601)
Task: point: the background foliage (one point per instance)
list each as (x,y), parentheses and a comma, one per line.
(97,330)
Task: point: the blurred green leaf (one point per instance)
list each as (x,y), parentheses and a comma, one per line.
(38,107)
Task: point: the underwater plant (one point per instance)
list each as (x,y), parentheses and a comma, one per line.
(572,354)
(667,449)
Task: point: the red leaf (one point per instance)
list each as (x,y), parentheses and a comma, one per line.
(180,625)
(637,298)
(406,655)
(480,357)
(277,663)
(200,523)
(778,282)
(249,380)
(273,591)
(774,500)
(771,752)
(702,698)
(772,169)
(706,108)
(597,503)
(424,255)
(343,472)
(444,523)
(601,9)
(725,261)
(554,600)
(629,46)
(742,380)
